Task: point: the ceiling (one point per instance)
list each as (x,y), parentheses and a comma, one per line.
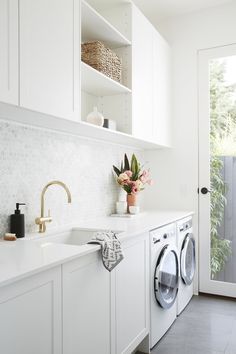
(160,10)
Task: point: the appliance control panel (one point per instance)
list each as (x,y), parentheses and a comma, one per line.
(163,233)
(186,225)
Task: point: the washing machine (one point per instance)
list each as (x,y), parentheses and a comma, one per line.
(187,262)
(164,278)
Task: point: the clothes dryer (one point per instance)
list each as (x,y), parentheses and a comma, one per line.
(164,278)
(187,262)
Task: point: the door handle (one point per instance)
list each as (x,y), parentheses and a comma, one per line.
(205,190)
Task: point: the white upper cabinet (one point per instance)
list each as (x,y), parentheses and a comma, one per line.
(48,77)
(50,56)
(9,51)
(142,76)
(161,90)
(150,82)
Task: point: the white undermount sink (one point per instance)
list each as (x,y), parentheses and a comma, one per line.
(75,236)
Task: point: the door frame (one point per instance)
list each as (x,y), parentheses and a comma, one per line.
(207,285)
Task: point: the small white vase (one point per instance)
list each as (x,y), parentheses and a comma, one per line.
(121,207)
(95,117)
(122,195)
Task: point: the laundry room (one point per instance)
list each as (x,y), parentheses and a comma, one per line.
(118,176)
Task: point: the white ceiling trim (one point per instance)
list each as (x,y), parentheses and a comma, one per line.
(160,10)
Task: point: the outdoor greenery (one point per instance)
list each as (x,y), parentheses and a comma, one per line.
(223,142)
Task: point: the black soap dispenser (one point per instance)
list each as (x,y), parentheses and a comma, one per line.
(17,222)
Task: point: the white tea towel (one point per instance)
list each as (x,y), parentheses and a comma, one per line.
(112,253)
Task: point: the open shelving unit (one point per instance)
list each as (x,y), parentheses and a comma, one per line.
(112,98)
(96,26)
(98,84)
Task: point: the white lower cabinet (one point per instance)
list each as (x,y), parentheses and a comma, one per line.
(79,308)
(86,306)
(131,300)
(30,315)
(106,313)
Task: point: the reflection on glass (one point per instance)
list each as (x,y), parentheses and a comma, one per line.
(169,278)
(188,261)
(223,168)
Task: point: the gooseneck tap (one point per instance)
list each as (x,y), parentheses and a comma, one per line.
(41,221)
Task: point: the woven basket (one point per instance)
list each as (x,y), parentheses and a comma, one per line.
(102,59)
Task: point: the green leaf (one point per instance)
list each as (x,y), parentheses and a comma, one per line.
(122,167)
(133,166)
(126,160)
(127,189)
(116,170)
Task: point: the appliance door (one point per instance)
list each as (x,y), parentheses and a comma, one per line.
(166,278)
(187,259)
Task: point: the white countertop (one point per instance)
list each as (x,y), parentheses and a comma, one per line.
(24,257)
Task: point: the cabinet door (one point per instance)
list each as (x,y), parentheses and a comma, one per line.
(30,315)
(9,51)
(50,56)
(131,295)
(142,76)
(161,90)
(86,306)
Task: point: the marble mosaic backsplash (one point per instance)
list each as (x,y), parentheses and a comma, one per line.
(31,157)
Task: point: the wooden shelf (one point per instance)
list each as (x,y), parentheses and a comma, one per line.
(95,27)
(80,129)
(98,84)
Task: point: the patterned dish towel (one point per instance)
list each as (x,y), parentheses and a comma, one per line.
(112,253)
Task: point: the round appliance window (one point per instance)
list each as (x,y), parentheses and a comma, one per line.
(187,259)
(166,277)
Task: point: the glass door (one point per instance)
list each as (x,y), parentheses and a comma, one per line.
(217,170)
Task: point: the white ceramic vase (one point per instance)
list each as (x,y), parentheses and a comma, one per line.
(95,117)
(122,195)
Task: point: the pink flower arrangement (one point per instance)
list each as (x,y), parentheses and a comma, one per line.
(131,177)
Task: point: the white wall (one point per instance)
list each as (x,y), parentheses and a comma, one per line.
(31,157)
(176,171)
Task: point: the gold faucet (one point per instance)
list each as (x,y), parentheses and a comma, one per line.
(41,221)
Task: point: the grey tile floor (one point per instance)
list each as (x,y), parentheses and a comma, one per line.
(206,326)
